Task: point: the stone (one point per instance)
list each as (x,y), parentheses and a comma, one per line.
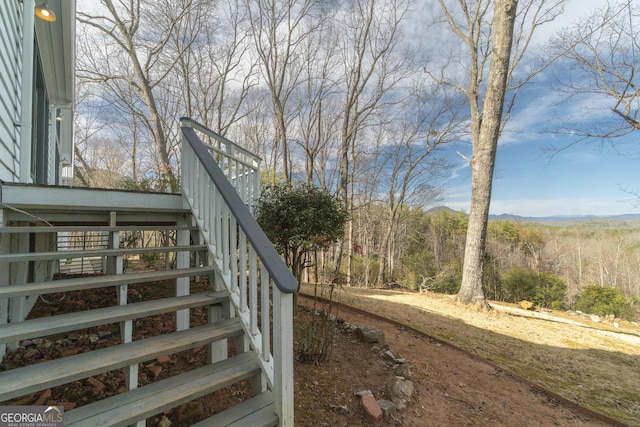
(188,412)
(389,355)
(74,336)
(155,370)
(29,354)
(69,352)
(401,392)
(371,408)
(595,318)
(364,393)
(67,405)
(370,335)
(96,385)
(388,408)
(164,422)
(46,395)
(403,370)
(526,305)
(164,359)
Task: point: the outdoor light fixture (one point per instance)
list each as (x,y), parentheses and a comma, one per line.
(45,12)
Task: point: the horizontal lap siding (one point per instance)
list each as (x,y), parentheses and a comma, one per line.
(10,61)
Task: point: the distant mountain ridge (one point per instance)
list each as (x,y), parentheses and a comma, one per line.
(551,218)
(567,218)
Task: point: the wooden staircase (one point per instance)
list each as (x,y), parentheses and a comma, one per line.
(26,237)
(208,231)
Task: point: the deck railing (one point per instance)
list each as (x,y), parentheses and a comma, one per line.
(241,167)
(260,284)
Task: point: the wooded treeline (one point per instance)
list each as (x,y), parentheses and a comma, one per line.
(428,246)
(343,95)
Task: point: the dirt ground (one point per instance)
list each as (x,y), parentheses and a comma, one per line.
(451,387)
(593,364)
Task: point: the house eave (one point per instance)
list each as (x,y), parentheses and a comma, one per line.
(56,41)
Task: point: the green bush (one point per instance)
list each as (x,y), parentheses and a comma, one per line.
(300,219)
(449,279)
(543,289)
(605,301)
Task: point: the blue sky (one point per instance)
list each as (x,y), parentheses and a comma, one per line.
(528,181)
(584,179)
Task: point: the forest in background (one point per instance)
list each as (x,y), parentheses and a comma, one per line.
(351,97)
(554,261)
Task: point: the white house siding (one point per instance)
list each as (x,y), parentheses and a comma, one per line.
(10,64)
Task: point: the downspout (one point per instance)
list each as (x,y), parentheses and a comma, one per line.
(26,92)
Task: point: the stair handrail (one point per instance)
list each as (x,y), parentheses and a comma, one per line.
(247,263)
(242,166)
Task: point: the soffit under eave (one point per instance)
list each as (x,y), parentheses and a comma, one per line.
(57,43)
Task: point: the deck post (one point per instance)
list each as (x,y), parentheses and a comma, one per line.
(283,356)
(115,266)
(218,350)
(182,283)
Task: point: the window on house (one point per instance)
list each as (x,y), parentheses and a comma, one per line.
(40,130)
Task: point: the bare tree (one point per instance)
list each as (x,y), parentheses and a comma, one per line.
(137,53)
(373,65)
(487,30)
(218,70)
(603,53)
(317,104)
(279,31)
(407,163)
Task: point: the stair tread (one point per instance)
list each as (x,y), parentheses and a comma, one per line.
(138,404)
(92,228)
(75,284)
(255,412)
(13,332)
(63,254)
(32,378)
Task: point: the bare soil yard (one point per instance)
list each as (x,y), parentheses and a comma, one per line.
(595,365)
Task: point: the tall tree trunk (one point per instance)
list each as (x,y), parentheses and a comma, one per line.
(384,256)
(484,155)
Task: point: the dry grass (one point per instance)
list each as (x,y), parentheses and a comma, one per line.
(593,364)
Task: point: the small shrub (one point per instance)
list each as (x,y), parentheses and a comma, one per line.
(543,289)
(448,280)
(316,327)
(605,301)
(364,271)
